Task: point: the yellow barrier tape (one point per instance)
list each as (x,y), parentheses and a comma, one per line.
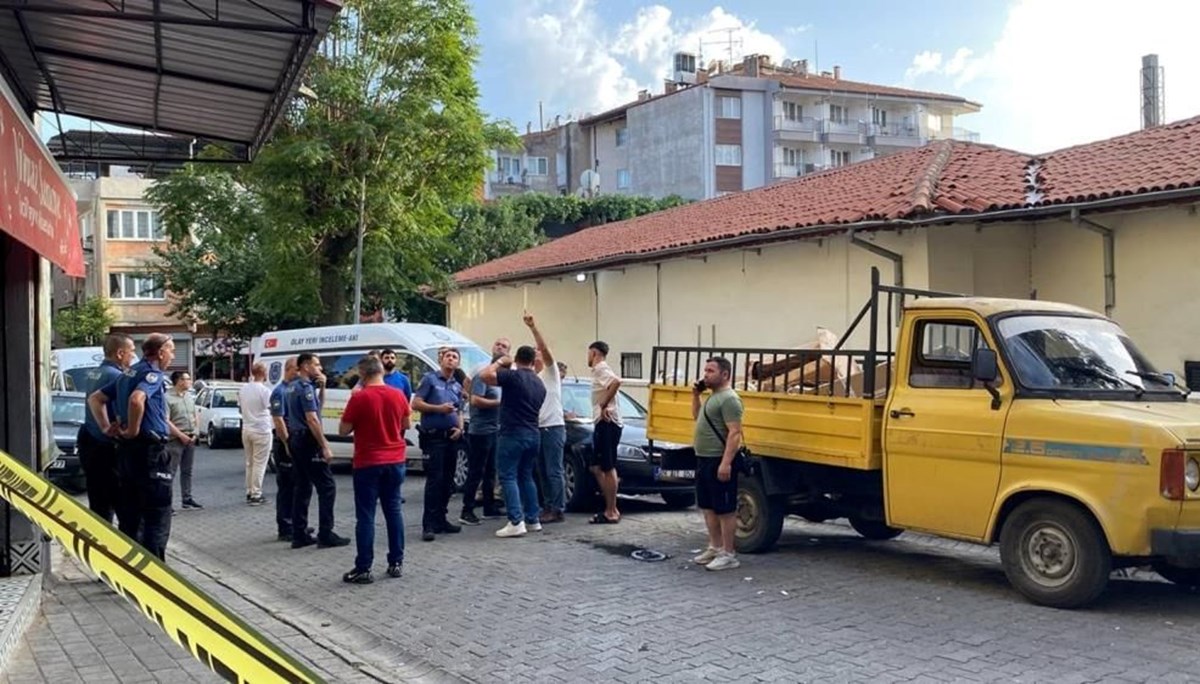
(216,637)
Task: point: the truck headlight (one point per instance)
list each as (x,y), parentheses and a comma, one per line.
(1191,474)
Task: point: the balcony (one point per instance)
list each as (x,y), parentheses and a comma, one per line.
(785,171)
(955,133)
(804,129)
(844,132)
(896,135)
(501,178)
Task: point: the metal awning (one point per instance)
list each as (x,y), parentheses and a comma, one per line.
(145,153)
(217,69)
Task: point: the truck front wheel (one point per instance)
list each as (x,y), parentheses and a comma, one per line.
(759,517)
(1055,554)
(875,530)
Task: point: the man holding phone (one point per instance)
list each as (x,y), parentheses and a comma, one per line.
(717,438)
(311,456)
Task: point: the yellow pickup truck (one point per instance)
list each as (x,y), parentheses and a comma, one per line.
(1029,424)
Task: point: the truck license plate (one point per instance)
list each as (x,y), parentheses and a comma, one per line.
(58,464)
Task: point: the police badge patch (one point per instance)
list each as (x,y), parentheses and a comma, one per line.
(308,395)
(151,377)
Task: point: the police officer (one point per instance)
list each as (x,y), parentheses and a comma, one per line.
(283,456)
(144,467)
(98,451)
(310,456)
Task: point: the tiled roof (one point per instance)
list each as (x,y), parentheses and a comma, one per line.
(841,85)
(944,178)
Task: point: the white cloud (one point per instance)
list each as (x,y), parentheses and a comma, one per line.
(797,30)
(579,65)
(958,63)
(961,65)
(927,62)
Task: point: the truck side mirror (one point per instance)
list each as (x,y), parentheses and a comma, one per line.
(985,368)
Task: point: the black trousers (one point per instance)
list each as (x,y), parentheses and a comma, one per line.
(99,462)
(284,498)
(144,512)
(481,468)
(310,472)
(441,459)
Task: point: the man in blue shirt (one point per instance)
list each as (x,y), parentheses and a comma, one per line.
(140,398)
(393,377)
(279,449)
(311,456)
(439,398)
(98,451)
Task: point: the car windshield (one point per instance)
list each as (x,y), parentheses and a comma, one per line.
(471,357)
(75,380)
(1077,354)
(225,398)
(69,410)
(577,399)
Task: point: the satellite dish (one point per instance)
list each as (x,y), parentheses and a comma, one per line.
(589,181)
(788,64)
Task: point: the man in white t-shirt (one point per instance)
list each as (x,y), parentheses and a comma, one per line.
(551,427)
(254,400)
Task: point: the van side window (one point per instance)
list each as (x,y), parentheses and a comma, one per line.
(341,370)
(414,366)
(942,354)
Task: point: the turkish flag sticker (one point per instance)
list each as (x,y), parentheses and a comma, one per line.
(270,343)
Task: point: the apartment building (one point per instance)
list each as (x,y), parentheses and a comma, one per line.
(729,128)
(543,165)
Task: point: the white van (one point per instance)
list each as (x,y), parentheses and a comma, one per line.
(340,347)
(69,367)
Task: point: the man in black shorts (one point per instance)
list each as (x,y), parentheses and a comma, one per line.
(717,438)
(606,414)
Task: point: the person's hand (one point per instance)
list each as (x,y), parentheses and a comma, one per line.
(113,430)
(528,318)
(724,472)
(610,414)
(319,379)
(504,361)
(188,440)
(326,454)
(129,433)
(448,408)
(698,387)
(455,433)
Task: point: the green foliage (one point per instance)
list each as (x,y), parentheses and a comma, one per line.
(85,324)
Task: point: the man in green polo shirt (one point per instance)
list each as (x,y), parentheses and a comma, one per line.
(717,438)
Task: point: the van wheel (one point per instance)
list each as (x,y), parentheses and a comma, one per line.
(1055,554)
(1188,578)
(579,487)
(759,517)
(875,530)
(462,462)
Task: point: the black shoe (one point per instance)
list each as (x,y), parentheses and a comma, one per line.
(284,535)
(306,541)
(469,518)
(191,503)
(427,535)
(448,528)
(332,540)
(358,577)
(395,570)
(257,500)
(492,513)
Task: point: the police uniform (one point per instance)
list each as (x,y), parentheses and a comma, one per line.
(439,451)
(97,451)
(144,467)
(283,465)
(309,469)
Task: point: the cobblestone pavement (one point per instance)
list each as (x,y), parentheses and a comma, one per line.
(570,604)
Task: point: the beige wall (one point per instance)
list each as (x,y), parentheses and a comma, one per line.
(1068,264)
(609,158)
(991,260)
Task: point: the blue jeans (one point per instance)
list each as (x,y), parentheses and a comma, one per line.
(378,484)
(554,440)
(516,452)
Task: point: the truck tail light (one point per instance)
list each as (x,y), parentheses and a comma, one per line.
(1171,474)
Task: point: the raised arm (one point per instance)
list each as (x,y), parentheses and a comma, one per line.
(547,356)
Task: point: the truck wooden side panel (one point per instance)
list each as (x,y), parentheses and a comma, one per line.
(833,431)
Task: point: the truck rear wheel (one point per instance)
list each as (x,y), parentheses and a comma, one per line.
(1055,554)
(759,517)
(875,530)
(1188,578)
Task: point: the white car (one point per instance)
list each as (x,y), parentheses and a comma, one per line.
(220,421)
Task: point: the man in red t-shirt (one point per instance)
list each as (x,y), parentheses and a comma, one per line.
(377,415)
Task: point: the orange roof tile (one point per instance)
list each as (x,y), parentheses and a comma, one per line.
(944,178)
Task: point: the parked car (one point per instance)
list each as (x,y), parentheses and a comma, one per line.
(67,410)
(220,422)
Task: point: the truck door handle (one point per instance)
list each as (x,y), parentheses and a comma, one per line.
(902,413)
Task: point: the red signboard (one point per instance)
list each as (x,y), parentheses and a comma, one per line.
(37,206)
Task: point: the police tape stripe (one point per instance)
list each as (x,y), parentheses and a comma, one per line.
(216,637)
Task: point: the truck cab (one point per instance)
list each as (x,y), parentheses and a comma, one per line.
(1033,425)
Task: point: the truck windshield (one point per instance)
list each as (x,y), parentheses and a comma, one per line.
(1077,354)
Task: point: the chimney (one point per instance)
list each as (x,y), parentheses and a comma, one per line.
(670,86)
(750,66)
(643,95)
(801,67)
(837,73)
(764,63)
(528,127)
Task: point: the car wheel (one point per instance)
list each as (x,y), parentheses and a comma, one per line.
(462,459)
(759,517)
(579,487)
(679,500)
(1188,578)
(875,530)
(213,442)
(1055,554)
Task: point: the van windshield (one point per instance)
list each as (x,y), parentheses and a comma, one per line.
(1071,353)
(472,357)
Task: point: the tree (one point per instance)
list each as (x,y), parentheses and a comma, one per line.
(86,324)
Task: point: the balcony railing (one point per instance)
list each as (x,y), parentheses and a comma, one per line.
(844,127)
(896,130)
(783,170)
(805,124)
(501,178)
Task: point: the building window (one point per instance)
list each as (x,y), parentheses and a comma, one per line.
(623,179)
(1191,375)
(509,169)
(840,158)
(631,365)
(622,136)
(837,113)
(878,116)
(729,107)
(134,224)
(538,166)
(729,155)
(792,156)
(135,286)
(792,111)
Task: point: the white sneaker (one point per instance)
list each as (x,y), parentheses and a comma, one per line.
(511,530)
(723,561)
(708,556)
(533,526)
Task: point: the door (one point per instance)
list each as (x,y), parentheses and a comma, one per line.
(942,439)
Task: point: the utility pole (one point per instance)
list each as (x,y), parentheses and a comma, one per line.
(358,252)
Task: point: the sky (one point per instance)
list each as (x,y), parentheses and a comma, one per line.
(1049,73)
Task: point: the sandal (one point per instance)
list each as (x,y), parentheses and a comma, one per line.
(601,519)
